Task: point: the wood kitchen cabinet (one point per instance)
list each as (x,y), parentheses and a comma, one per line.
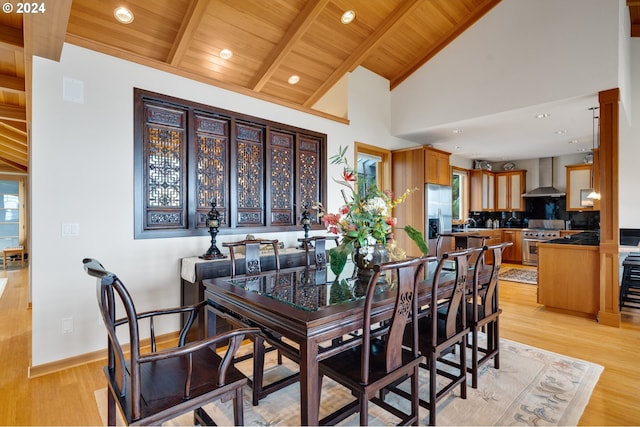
(436,167)
(578,181)
(482,190)
(568,278)
(509,189)
(407,170)
(512,253)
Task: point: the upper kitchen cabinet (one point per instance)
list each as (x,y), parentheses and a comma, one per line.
(509,189)
(407,171)
(436,167)
(579,185)
(482,190)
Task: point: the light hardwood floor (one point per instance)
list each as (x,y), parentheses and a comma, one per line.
(66,397)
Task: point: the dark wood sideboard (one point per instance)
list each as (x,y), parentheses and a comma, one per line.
(194,270)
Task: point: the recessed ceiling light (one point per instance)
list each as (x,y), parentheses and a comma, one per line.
(123,15)
(459,147)
(293,79)
(457,131)
(561,132)
(542,115)
(226,54)
(348,17)
(573,141)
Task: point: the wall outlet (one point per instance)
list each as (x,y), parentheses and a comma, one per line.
(67,325)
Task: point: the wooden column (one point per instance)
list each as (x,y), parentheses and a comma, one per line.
(609,313)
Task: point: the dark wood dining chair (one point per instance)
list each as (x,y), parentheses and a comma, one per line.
(152,387)
(443,331)
(315,248)
(483,313)
(253,265)
(381,360)
(252,254)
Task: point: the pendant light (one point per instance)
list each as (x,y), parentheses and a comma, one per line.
(594,195)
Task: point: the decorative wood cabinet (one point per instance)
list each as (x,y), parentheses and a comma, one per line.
(482,190)
(407,169)
(509,189)
(579,184)
(436,167)
(512,253)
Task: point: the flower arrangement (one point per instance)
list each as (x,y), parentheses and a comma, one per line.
(364,220)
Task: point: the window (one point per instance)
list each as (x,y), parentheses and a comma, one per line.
(460,195)
(9,214)
(260,174)
(374,167)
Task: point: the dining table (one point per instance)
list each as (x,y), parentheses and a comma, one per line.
(309,315)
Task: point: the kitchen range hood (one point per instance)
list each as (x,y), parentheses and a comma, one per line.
(545,181)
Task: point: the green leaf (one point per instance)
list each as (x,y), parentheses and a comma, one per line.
(418,238)
(338,257)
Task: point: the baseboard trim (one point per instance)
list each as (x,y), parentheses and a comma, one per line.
(94,356)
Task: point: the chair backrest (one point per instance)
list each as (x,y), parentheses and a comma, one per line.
(251,254)
(454,312)
(315,249)
(110,292)
(486,294)
(474,241)
(409,273)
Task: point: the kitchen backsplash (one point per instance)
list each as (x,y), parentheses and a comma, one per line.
(539,208)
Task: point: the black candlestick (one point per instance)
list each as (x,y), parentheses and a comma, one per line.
(305,220)
(213,219)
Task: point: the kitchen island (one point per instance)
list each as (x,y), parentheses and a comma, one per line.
(568,274)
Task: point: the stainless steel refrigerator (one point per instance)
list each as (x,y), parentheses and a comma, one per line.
(438,211)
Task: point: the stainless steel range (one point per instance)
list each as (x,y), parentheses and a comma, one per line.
(540,230)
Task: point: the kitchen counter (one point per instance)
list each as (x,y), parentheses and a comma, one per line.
(568,274)
(587,238)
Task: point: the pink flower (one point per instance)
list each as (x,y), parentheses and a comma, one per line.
(392,221)
(344,210)
(330,219)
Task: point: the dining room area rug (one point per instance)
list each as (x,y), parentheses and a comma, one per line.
(532,387)
(522,275)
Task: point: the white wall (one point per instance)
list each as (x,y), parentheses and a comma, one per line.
(521,53)
(82,163)
(629,155)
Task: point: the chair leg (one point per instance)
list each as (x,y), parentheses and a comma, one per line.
(238,410)
(463,367)
(364,410)
(111,408)
(496,343)
(258,369)
(433,380)
(474,357)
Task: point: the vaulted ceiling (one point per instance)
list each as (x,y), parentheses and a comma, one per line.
(270,41)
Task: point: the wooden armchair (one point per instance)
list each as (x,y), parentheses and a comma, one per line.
(153,387)
(253,266)
(381,362)
(443,329)
(316,257)
(483,312)
(251,254)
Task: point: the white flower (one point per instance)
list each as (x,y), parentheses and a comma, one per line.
(376,206)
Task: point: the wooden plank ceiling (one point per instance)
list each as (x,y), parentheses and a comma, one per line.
(270,41)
